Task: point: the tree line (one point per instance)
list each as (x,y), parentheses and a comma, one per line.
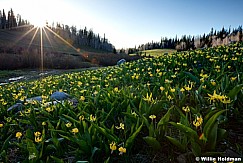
(10,21)
(82,37)
(188,42)
(76,37)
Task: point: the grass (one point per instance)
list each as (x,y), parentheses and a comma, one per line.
(156,52)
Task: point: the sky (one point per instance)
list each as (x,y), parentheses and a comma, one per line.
(129,23)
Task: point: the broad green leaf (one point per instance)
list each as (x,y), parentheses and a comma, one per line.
(71,119)
(6,143)
(187,130)
(165,119)
(209,124)
(212,137)
(31,147)
(176,143)
(152,142)
(58,160)
(192,77)
(195,147)
(221,134)
(233,93)
(83,145)
(106,133)
(130,140)
(156,107)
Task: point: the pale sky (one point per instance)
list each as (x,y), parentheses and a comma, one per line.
(127,23)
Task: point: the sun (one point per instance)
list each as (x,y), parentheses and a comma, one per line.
(37,12)
(39,23)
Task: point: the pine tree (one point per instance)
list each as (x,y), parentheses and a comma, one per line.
(3,20)
(0,18)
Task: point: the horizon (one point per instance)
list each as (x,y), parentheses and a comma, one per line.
(127,24)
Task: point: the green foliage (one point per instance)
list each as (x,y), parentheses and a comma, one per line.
(158,101)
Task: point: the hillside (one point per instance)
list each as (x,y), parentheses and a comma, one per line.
(21,48)
(155,52)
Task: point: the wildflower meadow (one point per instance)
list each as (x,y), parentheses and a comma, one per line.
(173,104)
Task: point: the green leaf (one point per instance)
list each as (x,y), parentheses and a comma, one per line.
(187,130)
(93,152)
(83,145)
(195,147)
(106,133)
(156,107)
(209,125)
(176,143)
(221,134)
(233,93)
(130,140)
(165,119)
(152,142)
(32,150)
(192,77)
(71,119)
(107,160)
(212,137)
(58,160)
(6,143)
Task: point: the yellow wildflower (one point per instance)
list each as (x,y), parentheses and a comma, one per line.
(152,117)
(113,146)
(172,90)
(149,98)
(182,89)
(43,123)
(173,76)
(233,78)
(122,150)
(81,118)
(162,88)
(213,82)
(18,135)
(27,111)
(96,92)
(134,113)
(37,134)
(186,109)
(188,88)
(38,139)
(82,98)
(68,124)
(1,125)
(49,109)
(169,97)
(92,118)
(75,130)
(121,126)
(225,100)
(198,121)
(116,89)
